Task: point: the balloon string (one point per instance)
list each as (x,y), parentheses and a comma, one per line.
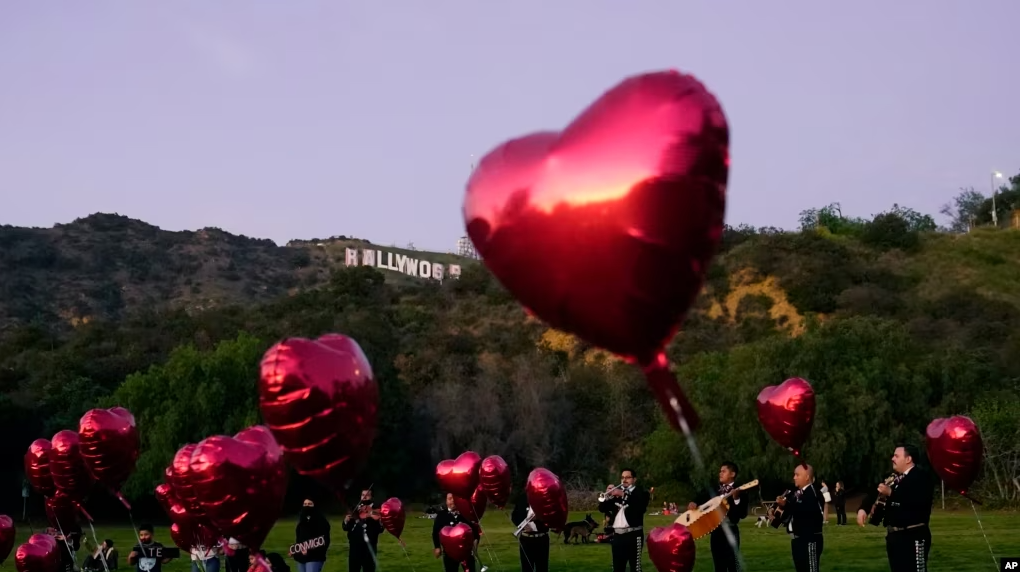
(982,527)
(134,527)
(406,555)
(520,542)
(74,557)
(102,555)
(364,534)
(478,520)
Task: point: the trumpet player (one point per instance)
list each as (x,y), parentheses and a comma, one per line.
(626,504)
(363,529)
(534,539)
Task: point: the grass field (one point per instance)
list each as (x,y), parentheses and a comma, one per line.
(958,545)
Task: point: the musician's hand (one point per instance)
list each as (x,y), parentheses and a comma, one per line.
(616,493)
(692,506)
(861,516)
(884,489)
(736,493)
(438,552)
(347,519)
(610,487)
(781,501)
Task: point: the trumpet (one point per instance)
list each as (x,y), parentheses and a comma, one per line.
(524,523)
(605,495)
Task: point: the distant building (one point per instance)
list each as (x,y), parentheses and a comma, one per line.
(465,248)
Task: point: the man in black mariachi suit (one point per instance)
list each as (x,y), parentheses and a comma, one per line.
(363,528)
(804,520)
(451,517)
(626,508)
(907,512)
(722,553)
(534,539)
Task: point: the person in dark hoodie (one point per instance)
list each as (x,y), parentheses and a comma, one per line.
(363,528)
(311,539)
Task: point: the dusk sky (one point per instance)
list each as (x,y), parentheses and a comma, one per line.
(298,118)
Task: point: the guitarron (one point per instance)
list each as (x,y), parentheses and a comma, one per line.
(877,514)
(710,515)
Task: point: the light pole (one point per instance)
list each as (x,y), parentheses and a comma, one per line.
(995,215)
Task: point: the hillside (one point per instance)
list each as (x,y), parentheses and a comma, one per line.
(106,266)
(892,322)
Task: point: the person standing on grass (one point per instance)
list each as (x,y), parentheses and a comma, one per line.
(826,499)
(722,553)
(237,558)
(627,505)
(839,499)
(363,528)
(147,555)
(311,537)
(207,559)
(452,517)
(804,510)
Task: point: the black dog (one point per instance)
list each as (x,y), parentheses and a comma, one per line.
(580,530)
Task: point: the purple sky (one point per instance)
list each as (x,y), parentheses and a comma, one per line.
(298,118)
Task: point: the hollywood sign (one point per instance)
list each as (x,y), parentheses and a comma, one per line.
(401,263)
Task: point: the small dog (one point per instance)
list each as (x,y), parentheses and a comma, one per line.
(762,521)
(579,531)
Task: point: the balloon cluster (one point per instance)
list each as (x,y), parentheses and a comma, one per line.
(7,534)
(63,469)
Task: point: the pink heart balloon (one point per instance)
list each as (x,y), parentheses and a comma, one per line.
(392,516)
(955,450)
(459,476)
(457,541)
(547,498)
(787,411)
(494,479)
(472,508)
(671,548)
(39,554)
(7,534)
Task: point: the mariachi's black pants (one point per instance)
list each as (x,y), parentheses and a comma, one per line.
(722,553)
(807,552)
(534,553)
(360,559)
(627,550)
(908,549)
(451,565)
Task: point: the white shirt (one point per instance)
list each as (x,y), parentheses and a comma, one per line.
(201,553)
(621,518)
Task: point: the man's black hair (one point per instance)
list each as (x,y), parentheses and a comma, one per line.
(109,543)
(146,527)
(913,452)
(628,470)
(731,466)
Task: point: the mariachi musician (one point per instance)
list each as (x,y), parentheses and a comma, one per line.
(907,512)
(450,516)
(534,539)
(722,553)
(803,511)
(363,529)
(626,504)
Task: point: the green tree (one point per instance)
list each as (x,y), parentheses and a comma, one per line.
(964,210)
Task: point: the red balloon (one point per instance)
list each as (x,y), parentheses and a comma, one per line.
(606,229)
(955,450)
(39,554)
(457,541)
(671,548)
(494,479)
(786,412)
(180,479)
(62,512)
(472,508)
(37,467)
(186,536)
(7,534)
(321,401)
(165,497)
(66,466)
(547,498)
(240,482)
(109,445)
(459,476)
(392,516)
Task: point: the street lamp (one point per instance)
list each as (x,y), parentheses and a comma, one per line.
(995,216)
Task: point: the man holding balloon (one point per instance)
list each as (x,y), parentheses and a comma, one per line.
(907,513)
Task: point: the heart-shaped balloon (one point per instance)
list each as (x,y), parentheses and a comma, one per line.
(547,498)
(109,446)
(606,229)
(240,483)
(187,536)
(786,412)
(671,548)
(955,450)
(180,479)
(494,479)
(37,467)
(321,401)
(39,554)
(459,476)
(62,512)
(472,508)
(457,541)
(66,466)
(7,534)
(392,516)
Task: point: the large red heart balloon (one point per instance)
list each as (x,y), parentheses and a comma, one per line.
(955,450)
(786,412)
(671,548)
(457,541)
(109,446)
(66,466)
(606,229)
(37,467)
(39,554)
(321,401)
(459,476)
(547,498)
(240,482)
(472,508)
(7,534)
(494,479)
(180,479)
(392,516)
(62,512)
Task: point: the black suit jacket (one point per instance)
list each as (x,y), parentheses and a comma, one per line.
(805,510)
(634,504)
(911,499)
(736,512)
(446,518)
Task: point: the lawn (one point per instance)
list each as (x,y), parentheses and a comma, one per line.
(958,545)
